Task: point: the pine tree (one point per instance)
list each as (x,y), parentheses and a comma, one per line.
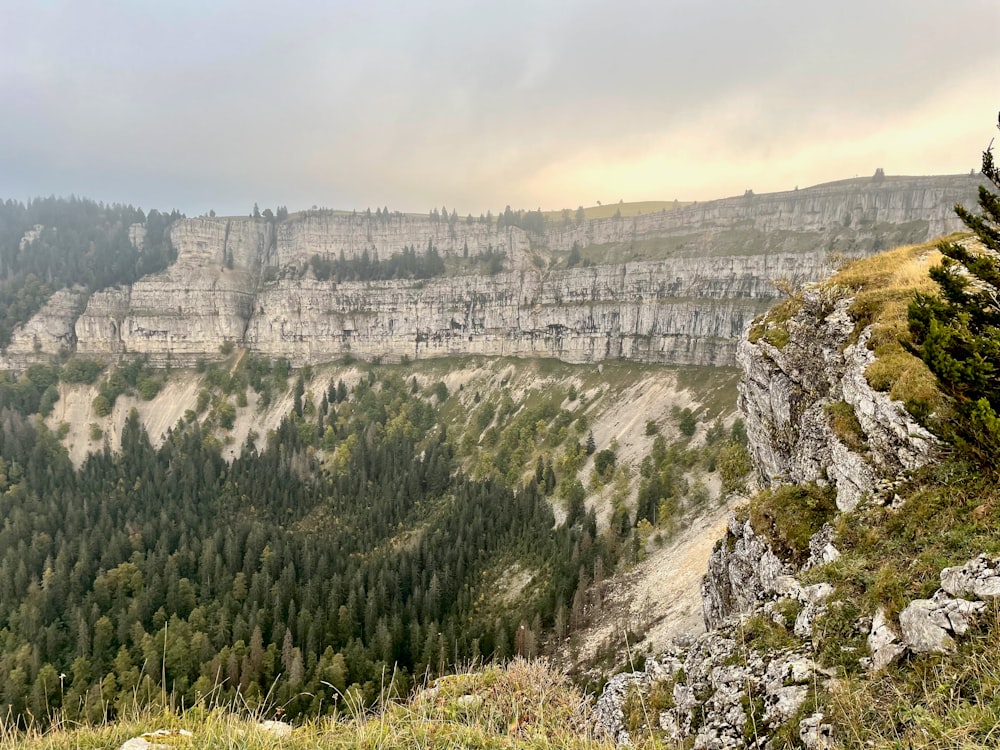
(958,334)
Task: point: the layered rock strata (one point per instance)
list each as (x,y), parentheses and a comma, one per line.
(673,287)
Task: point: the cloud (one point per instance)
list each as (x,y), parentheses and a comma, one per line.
(546,104)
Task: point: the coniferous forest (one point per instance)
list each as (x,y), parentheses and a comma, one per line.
(167,573)
(50,243)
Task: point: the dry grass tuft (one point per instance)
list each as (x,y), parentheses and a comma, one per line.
(520,705)
(883,286)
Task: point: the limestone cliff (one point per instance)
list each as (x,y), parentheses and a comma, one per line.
(757,677)
(797,399)
(674,287)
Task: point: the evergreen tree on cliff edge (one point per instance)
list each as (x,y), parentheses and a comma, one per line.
(958,334)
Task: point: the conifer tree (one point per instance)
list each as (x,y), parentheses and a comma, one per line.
(957,334)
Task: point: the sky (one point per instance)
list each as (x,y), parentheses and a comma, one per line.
(416,104)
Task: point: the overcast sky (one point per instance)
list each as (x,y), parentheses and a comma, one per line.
(201,104)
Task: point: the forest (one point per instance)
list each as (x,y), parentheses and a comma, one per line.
(166,574)
(50,243)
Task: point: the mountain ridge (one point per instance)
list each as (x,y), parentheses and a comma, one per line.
(672,287)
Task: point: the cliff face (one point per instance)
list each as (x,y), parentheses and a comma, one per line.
(793,398)
(858,210)
(691,281)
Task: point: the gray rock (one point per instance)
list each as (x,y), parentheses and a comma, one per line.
(883,643)
(979,577)
(814,734)
(742,571)
(275,728)
(609,717)
(928,625)
(783,703)
(245,281)
(785,394)
(821,548)
(159,739)
(470,701)
(817,593)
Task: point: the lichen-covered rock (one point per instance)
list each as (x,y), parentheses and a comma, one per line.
(743,570)
(883,643)
(928,625)
(821,548)
(789,395)
(724,693)
(609,713)
(979,577)
(815,734)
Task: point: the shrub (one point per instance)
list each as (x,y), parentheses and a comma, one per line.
(604,463)
(687,423)
(102,406)
(733,464)
(148,388)
(81,370)
(958,334)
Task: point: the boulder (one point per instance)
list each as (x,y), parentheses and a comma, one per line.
(979,577)
(883,643)
(928,624)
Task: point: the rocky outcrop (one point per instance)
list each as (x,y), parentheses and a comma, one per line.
(979,577)
(204,299)
(719,691)
(751,674)
(742,571)
(694,278)
(929,625)
(48,334)
(794,396)
(932,625)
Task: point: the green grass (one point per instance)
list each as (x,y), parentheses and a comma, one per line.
(789,515)
(938,701)
(882,287)
(772,326)
(845,425)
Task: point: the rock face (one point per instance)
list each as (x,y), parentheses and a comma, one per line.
(722,692)
(742,571)
(674,287)
(861,209)
(792,397)
(48,333)
(979,577)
